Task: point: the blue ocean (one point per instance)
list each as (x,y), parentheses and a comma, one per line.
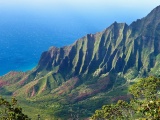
(25,34)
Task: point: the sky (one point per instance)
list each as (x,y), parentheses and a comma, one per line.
(78,4)
(109,10)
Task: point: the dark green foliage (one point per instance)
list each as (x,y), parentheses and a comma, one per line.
(121,110)
(146,88)
(10,111)
(144,105)
(146,100)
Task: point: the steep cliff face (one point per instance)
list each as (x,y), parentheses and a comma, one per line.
(94,64)
(128,50)
(119,48)
(93,54)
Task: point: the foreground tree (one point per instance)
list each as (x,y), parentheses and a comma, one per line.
(145,103)
(10,110)
(120,111)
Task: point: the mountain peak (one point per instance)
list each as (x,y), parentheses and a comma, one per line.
(154,16)
(157,8)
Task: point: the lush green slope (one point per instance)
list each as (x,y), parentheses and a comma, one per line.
(145,104)
(94,70)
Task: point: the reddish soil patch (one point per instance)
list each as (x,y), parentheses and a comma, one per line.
(122,97)
(95,88)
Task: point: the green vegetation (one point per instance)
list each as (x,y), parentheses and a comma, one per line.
(145,103)
(10,110)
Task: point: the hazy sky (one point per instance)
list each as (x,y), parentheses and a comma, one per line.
(89,3)
(82,3)
(80,7)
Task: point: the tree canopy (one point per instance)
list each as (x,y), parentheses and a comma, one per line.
(145,103)
(10,110)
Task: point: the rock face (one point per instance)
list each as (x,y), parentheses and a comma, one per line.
(95,63)
(119,48)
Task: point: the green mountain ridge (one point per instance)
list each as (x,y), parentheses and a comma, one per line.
(94,70)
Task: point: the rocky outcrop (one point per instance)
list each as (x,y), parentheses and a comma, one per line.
(119,48)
